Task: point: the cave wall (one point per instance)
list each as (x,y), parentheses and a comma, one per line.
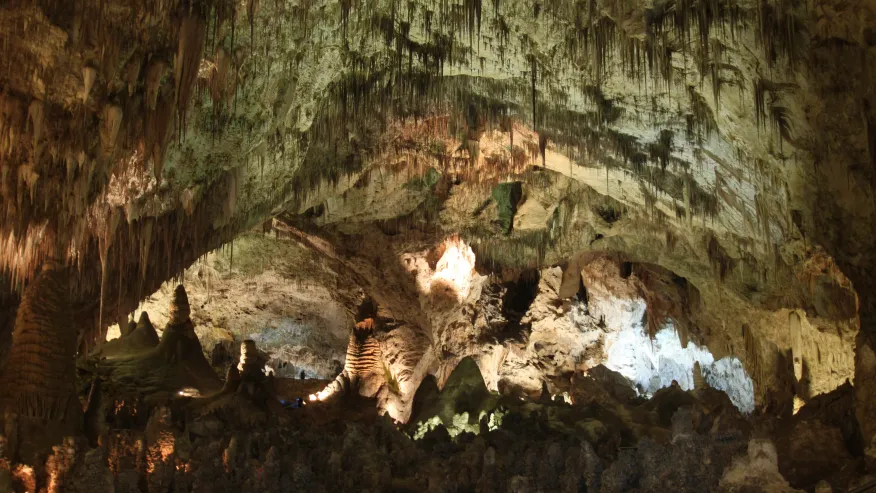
(729,142)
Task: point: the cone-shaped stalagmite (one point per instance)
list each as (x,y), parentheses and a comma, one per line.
(232,379)
(144,334)
(40,370)
(179,343)
(179,307)
(126,329)
(136,338)
(179,340)
(251,363)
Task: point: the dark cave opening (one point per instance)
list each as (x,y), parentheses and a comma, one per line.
(518,297)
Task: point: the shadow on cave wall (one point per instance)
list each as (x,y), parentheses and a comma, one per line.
(518,297)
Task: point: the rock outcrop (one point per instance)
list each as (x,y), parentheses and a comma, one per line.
(679,191)
(175,364)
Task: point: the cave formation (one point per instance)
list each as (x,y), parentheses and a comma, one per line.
(372,245)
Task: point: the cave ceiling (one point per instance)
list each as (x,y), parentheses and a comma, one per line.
(728,141)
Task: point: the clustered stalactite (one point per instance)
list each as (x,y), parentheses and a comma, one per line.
(414,71)
(702,26)
(71,170)
(55,196)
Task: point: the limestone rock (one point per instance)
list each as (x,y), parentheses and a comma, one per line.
(179,307)
(758,471)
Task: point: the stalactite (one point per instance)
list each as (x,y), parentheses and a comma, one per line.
(89,74)
(251,9)
(145,245)
(220,80)
(780,32)
(687,197)
(720,261)
(533,75)
(759,103)
(106,236)
(753,355)
(111,121)
(187,61)
(36,115)
(154,73)
(781,123)
(157,131)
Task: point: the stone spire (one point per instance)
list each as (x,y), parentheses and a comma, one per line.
(179,307)
(145,331)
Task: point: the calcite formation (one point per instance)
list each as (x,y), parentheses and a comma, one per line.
(594,203)
(364,358)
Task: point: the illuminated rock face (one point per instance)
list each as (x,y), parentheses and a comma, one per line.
(454,270)
(655,364)
(455,159)
(364,357)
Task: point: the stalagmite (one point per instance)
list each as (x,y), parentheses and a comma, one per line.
(232,379)
(251,363)
(128,328)
(363,353)
(179,307)
(144,333)
(40,370)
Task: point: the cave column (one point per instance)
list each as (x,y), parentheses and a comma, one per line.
(39,400)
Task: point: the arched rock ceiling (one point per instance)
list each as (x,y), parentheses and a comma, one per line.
(136,136)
